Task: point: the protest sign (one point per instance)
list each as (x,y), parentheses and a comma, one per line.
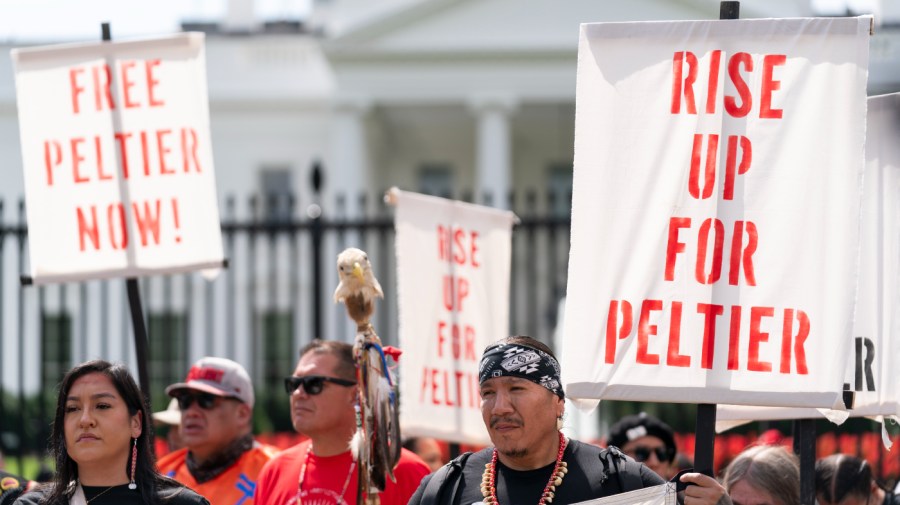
(875,340)
(715,213)
(453,264)
(117,158)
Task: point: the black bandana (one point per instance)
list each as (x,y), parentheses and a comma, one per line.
(217,464)
(517,360)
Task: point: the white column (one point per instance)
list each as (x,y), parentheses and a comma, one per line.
(493,149)
(347,171)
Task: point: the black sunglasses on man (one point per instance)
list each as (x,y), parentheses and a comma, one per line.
(312,384)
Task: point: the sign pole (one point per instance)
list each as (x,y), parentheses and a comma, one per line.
(705,429)
(141,346)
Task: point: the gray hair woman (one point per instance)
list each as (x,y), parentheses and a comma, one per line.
(764,474)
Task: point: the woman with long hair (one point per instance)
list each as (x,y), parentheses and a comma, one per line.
(101,443)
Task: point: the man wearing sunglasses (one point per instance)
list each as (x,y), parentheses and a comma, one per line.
(322,470)
(647,440)
(220,460)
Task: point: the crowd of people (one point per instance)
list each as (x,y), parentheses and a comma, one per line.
(101,440)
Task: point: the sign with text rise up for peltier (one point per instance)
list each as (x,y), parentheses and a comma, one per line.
(453,268)
(117,158)
(875,340)
(715,212)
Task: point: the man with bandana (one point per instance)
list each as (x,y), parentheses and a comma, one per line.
(522,404)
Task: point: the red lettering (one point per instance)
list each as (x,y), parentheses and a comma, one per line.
(645,329)
(152,82)
(714,58)
(474,249)
(99,150)
(734,72)
(102,85)
(758,337)
(163,151)
(470,343)
(440,338)
(88,230)
(702,246)
(111,215)
(148,223)
(734,336)
(447,391)
(456,289)
(189,145)
(769,85)
(687,86)
(443,244)
(127,84)
(460,255)
(674,247)
(122,139)
(710,312)
(741,255)
(434,388)
(709,174)
(673,358)
(77,158)
(612,323)
(75,87)
(145,153)
(799,340)
(51,159)
(746,158)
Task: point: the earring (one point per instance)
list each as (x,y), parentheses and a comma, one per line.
(132,485)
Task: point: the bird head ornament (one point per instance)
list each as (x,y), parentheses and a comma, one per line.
(358,286)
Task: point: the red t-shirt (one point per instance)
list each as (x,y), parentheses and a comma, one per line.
(325,478)
(234,486)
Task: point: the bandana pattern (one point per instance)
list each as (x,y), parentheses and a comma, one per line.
(525,362)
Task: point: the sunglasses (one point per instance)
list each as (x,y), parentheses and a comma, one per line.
(205,401)
(642,453)
(312,384)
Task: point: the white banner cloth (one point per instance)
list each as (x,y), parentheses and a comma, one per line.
(663,494)
(715,212)
(875,341)
(453,264)
(117,159)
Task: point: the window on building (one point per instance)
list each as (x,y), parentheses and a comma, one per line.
(559,189)
(436,179)
(56,348)
(168,360)
(276,184)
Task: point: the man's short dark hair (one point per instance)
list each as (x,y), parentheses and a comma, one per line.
(635,426)
(346,367)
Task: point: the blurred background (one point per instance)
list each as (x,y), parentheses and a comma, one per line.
(317,107)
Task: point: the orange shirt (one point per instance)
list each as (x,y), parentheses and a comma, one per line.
(234,486)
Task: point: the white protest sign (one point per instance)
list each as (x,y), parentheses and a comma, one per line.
(453,264)
(117,158)
(875,341)
(715,213)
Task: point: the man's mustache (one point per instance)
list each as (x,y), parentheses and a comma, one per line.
(505,420)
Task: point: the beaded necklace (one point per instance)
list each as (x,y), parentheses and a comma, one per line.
(303,474)
(489,477)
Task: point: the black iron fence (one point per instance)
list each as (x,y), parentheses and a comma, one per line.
(274,296)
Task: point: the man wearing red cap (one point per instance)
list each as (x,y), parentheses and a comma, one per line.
(220,460)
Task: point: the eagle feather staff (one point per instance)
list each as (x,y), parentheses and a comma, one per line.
(376,444)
